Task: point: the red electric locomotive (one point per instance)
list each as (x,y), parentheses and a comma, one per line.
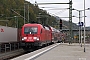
(34,35)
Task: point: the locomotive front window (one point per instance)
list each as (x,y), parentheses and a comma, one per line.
(30,30)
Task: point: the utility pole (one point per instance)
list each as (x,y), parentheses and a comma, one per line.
(24,12)
(26,4)
(70,21)
(28,13)
(15,21)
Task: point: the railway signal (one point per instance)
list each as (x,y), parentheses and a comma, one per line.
(60,24)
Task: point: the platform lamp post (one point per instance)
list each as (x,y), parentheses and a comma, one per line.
(84,27)
(80,27)
(80,33)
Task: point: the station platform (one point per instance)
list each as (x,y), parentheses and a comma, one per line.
(67,51)
(62,51)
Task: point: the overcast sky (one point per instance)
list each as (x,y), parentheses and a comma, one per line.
(59,11)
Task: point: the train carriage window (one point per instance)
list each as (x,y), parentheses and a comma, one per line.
(30,30)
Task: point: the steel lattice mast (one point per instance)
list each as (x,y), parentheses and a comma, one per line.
(70,17)
(70,22)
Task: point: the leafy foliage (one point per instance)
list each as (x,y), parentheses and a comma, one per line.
(6,13)
(35,14)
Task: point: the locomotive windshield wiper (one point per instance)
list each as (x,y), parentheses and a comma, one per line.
(26,32)
(30,32)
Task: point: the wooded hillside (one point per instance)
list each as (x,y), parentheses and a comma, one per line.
(9,16)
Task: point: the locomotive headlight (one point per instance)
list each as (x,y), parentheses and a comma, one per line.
(36,38)
(24,38)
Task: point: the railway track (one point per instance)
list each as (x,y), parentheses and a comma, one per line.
(18,52)
(14,54)
(35,53)
(8,50)
(8,55)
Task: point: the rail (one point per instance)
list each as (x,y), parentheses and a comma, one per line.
(8,47)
